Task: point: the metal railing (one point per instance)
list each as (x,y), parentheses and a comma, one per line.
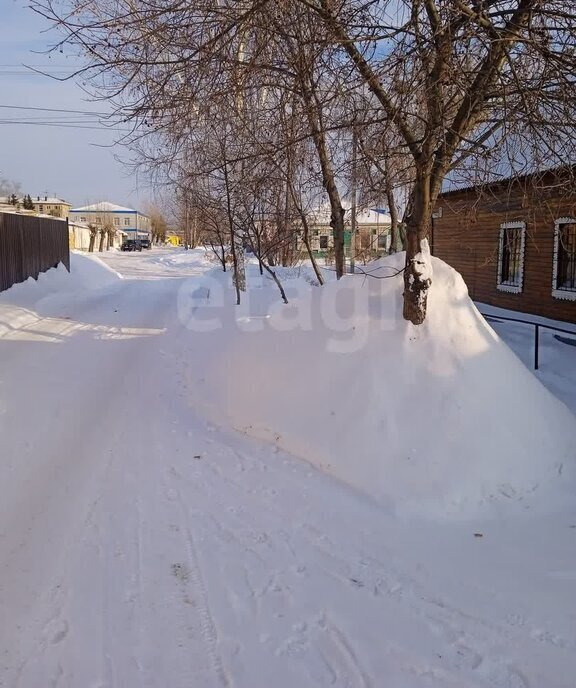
(536,325)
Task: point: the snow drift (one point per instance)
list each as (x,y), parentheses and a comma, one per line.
(87,272)
(439,418)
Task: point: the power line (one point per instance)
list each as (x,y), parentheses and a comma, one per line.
(66,111)
(73,119)
(30,69)
(37,66)
(58,70)
(65,118)
(64,125)
(53,73)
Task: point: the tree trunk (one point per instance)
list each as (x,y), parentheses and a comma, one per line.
(259,249)
(337,224)
(102,238)
(278,283)
(239,277)
(91,244)
(317,272)
(393,210)
(306,236)
(314,115)
(418,270)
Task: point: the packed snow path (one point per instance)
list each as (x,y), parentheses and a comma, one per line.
(141,547)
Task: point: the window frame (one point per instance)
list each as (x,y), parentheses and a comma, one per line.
(511,288)
(324,238)
(564,294)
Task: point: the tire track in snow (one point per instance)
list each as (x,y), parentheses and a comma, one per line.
(208,626)
(358,677)
(399,586)
(322,643)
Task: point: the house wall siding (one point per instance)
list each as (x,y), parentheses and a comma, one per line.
(466,236)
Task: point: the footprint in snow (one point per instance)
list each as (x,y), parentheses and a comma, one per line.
(58,630)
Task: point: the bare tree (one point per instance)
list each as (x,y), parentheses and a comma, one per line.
(458,84)
(110,236)
(93,234)
(158,223)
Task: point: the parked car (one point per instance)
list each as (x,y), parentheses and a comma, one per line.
(146,243)
(131,245)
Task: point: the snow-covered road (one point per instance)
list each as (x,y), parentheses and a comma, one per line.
(143,547)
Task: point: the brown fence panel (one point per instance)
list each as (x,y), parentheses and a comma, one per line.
(30,245)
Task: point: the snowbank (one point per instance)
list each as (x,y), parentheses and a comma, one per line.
(87,272)
(437,419)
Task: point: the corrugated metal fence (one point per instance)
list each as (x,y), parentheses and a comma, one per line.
(30,245)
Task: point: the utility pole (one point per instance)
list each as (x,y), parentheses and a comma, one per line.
(186,220)
(353,206)
(194,237)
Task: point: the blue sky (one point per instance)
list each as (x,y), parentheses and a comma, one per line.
(67,162)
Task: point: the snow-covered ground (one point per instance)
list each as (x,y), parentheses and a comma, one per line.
(144,543)
(557,351)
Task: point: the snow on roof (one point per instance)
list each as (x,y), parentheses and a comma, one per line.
(8,208)
(14,210)
(36,199)
(104,207)
(47,199)
(473,180)
(366,216)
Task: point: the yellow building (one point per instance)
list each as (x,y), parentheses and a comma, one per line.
(47,205)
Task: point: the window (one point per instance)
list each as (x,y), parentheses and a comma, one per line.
(41,209)
(82,219)
(126,221)
(511,257)
(382,243)
(323,242)
(564,268)
(116,221)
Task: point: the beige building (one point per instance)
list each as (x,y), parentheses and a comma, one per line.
(50,205)
(43,205)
